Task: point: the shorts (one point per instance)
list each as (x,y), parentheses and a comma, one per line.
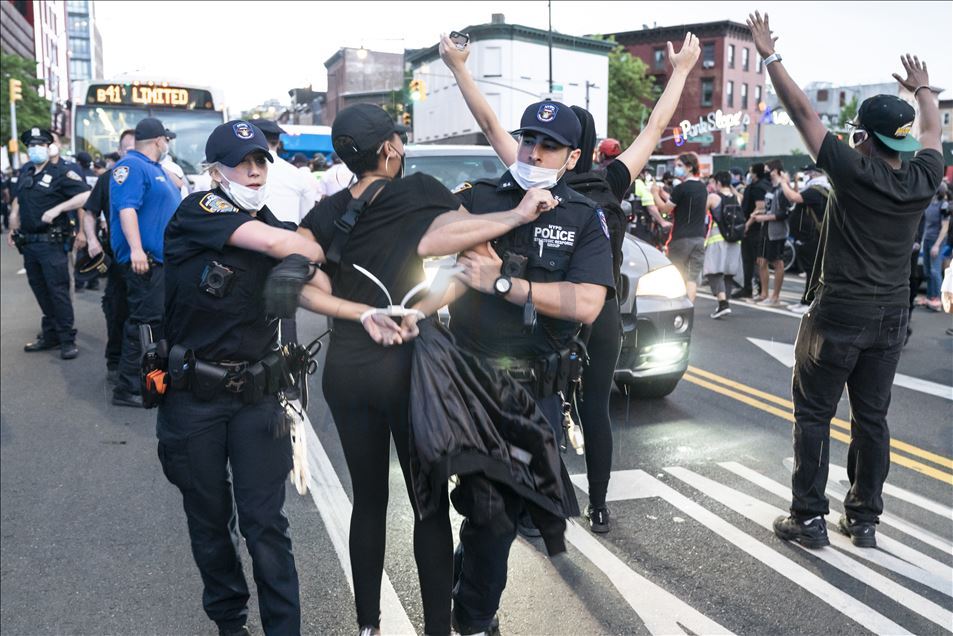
(771,250)
(688,255)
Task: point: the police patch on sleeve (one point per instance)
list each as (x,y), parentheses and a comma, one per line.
(72,175)
(213,203)
(602,221)
(466,185)
(120,173)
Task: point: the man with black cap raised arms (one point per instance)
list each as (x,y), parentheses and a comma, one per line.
(559,267)
(855,328)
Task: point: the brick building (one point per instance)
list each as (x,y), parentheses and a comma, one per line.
(729,77)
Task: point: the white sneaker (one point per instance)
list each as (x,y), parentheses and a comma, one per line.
(798,308)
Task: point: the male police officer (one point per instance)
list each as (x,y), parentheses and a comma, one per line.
(142,200)
(291,192)
(559,266)
(45,192)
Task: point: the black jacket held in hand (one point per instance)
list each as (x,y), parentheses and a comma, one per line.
(470,420)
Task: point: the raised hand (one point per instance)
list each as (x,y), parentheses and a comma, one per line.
(761,32)
(685,59)
(451,55)
(916,73)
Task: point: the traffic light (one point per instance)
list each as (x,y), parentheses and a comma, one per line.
(418,90)
(405,119)
(16,90)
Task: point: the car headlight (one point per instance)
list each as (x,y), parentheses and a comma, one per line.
(665,282)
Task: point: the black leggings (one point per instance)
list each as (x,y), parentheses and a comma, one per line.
(604,346)
(369,400)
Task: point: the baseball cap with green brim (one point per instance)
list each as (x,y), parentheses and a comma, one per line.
(890,119)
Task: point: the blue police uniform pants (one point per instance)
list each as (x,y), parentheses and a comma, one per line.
(481,557)
(47,270)
(145,299)
(222,454)
(840,344)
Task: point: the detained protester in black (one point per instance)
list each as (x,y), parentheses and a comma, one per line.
(607,187)
(854,331)
(220,445)
(368,367)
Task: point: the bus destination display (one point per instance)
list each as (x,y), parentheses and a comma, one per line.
(149,95)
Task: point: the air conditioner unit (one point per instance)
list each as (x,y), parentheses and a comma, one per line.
(708,64)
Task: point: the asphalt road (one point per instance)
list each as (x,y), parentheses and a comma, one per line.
(94,538)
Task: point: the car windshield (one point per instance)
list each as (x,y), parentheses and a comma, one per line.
(98,128)
(452,170)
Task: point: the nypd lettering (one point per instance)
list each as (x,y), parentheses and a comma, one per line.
(554,236)
(120,173)
(213,204)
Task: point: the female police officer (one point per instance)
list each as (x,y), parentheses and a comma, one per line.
(367,385)
(219,247)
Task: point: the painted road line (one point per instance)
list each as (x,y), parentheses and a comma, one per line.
(335,509)
(786,414)
(940,460)
(784,353)
(839,473)
(892,554)
(736,303)
(764,514)
(637,484)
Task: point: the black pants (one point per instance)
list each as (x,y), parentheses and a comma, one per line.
(116,311)
(222,454)
(750,250)
(47,270)
(368,394)
(840,344)
(145,299)
(604,346)
(482,556)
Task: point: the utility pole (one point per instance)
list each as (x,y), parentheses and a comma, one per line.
(549,7)
(588,86)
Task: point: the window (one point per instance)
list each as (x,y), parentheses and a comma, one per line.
(79,47)
(658,55)
(760,64)
(946,119)
(744,96)
(842,100)
(78,26)
(708,55)
(744,58)
(708,91)
(493,61)
(731,56)
(79,70)
(823,95)
(730,93)
(757,96)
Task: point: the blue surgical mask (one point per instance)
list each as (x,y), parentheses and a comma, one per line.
(38,154)
(679,171)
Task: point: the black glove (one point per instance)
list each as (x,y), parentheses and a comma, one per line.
(284,284)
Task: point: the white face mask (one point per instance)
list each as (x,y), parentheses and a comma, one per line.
(530,176)
(243,196)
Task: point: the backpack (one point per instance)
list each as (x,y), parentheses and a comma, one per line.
(593,186)
(731,220)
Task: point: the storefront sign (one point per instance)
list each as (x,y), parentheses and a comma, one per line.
(715,121)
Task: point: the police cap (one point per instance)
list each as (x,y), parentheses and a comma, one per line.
(152,128)
(361,128)
(90,267)
(232,141)
(553,119)
(37,136)
(269,127)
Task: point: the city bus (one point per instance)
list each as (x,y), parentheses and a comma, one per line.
(102,109)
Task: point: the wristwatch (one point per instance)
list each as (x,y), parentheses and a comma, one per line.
(502,286)
(774,57)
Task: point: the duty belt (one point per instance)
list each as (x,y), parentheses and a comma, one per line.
(53,236)
(539,375)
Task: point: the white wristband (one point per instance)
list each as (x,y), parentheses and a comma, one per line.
(774,57)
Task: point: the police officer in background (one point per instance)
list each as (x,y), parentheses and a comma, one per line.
(142,200)
(45,192)
(559,268)
(221,444)
(291,192)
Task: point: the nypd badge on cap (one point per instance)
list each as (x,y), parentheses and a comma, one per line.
(243,130)
(547,112)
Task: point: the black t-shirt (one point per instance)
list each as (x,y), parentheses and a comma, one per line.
(37,192)
(871,223)
(754,193)
(816,201)
(384,242)
(691,210)
(569,243)
(233,327)
(618,177)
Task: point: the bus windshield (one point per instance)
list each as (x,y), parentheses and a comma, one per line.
(97,130)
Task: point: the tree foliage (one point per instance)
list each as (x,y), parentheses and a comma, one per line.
(632,92)
(32,110)
(848,112)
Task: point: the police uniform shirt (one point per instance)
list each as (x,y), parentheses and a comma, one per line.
(569,243)
(384,242)
(37,192)
(232,327)
(291,193)
(140,183)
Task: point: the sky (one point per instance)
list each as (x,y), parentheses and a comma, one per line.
(255,51)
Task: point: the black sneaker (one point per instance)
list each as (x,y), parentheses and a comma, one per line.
(492,630)
(598,517)
(234,631)
(863,534)
(526,527)
(68,351)
(721,311)
(125,398)
(40,344)
(811,533)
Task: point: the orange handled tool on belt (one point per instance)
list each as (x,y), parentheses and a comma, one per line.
(157,380)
